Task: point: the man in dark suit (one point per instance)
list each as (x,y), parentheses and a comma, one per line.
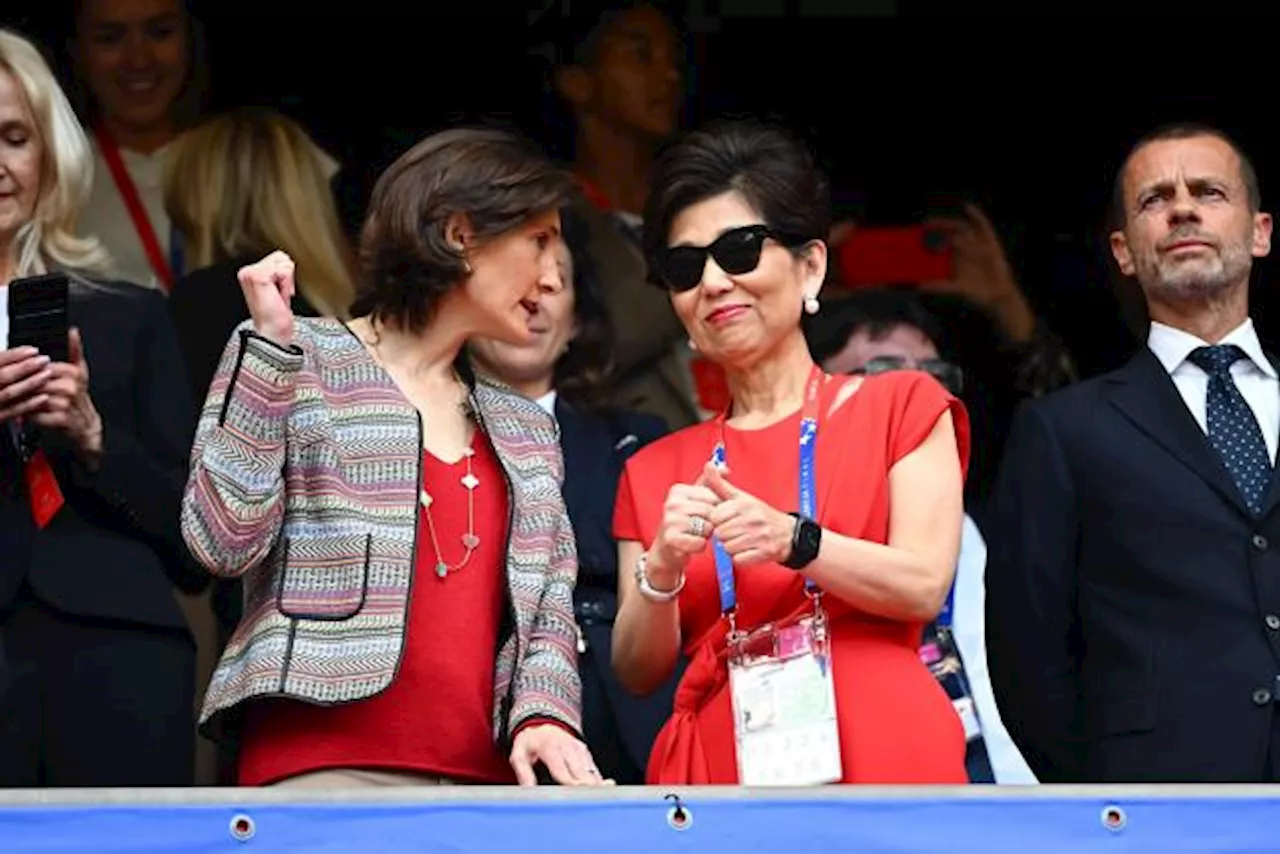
(1133,578)
(565,367)
(620,728)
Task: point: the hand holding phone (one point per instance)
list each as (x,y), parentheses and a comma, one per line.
(38,314)
(37,337)
(901,255)
(23,374)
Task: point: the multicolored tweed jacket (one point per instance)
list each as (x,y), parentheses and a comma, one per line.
(305,480)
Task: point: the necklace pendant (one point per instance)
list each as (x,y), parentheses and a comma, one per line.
(424,498)
(470,541)
(442,569)
(470,481)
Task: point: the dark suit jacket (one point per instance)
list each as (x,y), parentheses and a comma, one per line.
(1132,599)
(114,550)
(595,449)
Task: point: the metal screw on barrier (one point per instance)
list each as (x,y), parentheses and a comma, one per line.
(242,828)
(678,817)
(1114,818)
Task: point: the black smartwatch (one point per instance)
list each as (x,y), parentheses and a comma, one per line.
(805,541)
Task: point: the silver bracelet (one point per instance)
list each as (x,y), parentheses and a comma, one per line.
(648,591)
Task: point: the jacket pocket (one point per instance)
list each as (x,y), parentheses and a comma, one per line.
(324,578)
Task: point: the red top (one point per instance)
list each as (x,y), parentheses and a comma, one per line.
(436,718)
(896,723)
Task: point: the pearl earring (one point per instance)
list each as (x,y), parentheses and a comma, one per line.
(811,305)
(692,346)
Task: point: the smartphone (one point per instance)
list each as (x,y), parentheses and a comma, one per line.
(38,314)
(897,255)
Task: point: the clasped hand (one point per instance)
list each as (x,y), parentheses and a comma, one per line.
(53,395)
(751,530)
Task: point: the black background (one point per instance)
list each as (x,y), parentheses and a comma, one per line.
(1028,115)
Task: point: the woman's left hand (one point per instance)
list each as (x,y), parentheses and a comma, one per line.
(751,530)
(566,758)
(69,409)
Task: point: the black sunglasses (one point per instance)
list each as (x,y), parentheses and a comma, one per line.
(951,376)
(737,251)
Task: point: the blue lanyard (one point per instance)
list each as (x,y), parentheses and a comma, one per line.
(945,616)
(808,489)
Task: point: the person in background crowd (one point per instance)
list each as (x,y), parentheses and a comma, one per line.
(567,369)
(98,686)
(396,519)
(869,332)
(1009,352)
(142,78)
(713,538)
(237,185)
(1133,615)
(617,70)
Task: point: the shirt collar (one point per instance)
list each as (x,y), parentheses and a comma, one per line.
(1172,346)
(548,402)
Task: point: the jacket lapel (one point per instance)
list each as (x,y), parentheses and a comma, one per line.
(1145,394)
(585,444)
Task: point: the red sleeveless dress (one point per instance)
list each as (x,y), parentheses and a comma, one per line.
(895,722)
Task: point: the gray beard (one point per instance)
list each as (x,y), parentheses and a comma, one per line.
(1194,280)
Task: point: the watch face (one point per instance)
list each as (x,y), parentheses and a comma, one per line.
(810,535)
(808,538)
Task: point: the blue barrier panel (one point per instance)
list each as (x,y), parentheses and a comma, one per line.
(1040,820)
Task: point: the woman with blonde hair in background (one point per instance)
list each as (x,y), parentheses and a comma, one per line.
(237,186)
(97,675)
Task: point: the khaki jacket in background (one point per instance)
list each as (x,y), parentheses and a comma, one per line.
(651,347)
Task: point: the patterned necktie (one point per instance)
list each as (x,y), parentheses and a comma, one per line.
(1233,429)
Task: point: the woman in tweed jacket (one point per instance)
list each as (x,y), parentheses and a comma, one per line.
(407,560)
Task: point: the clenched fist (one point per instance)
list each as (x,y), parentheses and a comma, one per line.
(268,289)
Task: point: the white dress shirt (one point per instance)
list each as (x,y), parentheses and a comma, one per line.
(969,628)
(548,402)
(1255,377)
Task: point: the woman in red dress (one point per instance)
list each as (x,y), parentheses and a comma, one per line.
(736,221)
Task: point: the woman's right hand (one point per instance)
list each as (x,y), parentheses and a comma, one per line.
(23,373)
(268,288)
(682,534)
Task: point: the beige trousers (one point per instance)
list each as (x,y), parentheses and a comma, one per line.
(349,778)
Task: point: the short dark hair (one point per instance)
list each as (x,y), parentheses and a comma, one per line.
(1175,131)
(495,178)
(584,372)
(770,167)
(876,311)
